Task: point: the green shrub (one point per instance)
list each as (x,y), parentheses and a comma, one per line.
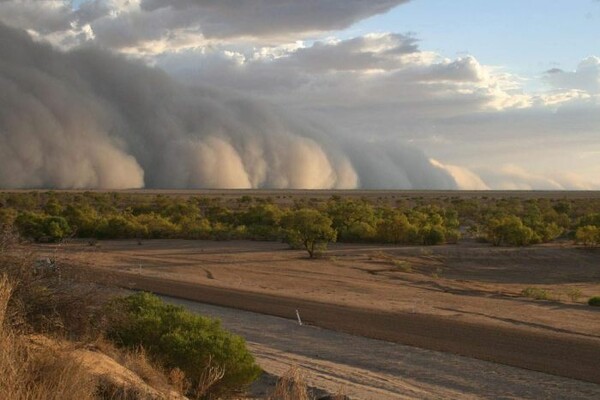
(509,231)
(588,235)
(594,301)
(432,235)
(180,339)
(42,227)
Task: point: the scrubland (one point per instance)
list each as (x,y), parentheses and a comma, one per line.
(64,337)
(522,262)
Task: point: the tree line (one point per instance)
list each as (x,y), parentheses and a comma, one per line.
(304,223)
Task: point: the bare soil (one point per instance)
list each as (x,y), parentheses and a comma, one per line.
(371,369)
(465,298)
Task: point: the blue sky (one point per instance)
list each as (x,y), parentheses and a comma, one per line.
(526,37)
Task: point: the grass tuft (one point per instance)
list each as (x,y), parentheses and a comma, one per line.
(536,293)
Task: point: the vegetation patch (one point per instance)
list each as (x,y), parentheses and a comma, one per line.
(594,301)
(196,345)
(536,293)
(49,320)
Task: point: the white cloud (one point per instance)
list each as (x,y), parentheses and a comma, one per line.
(585,78)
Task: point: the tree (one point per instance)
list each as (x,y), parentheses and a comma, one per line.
(395,228)
(352,219)
(42,227)
(310,229)
(261,221)
(509,230)
(588,235)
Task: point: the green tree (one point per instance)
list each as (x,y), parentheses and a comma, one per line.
(83,218)
(310,229)
(588,235)
(261,221)
(509,230)
(42,227)
(352,219)
(394,227)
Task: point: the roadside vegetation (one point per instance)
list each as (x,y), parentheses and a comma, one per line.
(65,338)
(594,301)
(307,223)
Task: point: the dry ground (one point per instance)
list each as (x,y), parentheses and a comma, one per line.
(469,281)
(370,369)
(464,299)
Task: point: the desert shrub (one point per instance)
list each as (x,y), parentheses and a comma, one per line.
(195,228)
(42,227)
(588,235)
(260,222)
(291,386)
(594,301)
(592,219)
(425,225)
(120,227)
(83,218)
(509,231)
(156,226)
(353,220)
(574,294)
(548,231)
(395,228)
(180,339)
(432,235)
(536,293)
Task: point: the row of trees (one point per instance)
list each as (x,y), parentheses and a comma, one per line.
(305,223)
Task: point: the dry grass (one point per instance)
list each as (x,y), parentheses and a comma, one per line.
(173,381)
(28,373)
(139,363)
(38,367)
(293,386)
(211,375)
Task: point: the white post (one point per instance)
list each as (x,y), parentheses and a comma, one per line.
(298,316)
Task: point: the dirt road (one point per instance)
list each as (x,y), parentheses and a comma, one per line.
(369,369)
(560,354)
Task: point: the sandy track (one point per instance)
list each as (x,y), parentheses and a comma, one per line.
(373,369)
(554,353)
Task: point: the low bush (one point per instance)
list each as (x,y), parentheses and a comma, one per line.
(574,294)
(176,338)
(594,301)
(536,293)
(588,235)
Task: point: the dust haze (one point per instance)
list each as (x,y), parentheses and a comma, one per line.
(88,118)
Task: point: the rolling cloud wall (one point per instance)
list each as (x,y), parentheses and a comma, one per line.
(91,119)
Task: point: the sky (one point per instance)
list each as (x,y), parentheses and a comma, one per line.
(525,37)
(394,94)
